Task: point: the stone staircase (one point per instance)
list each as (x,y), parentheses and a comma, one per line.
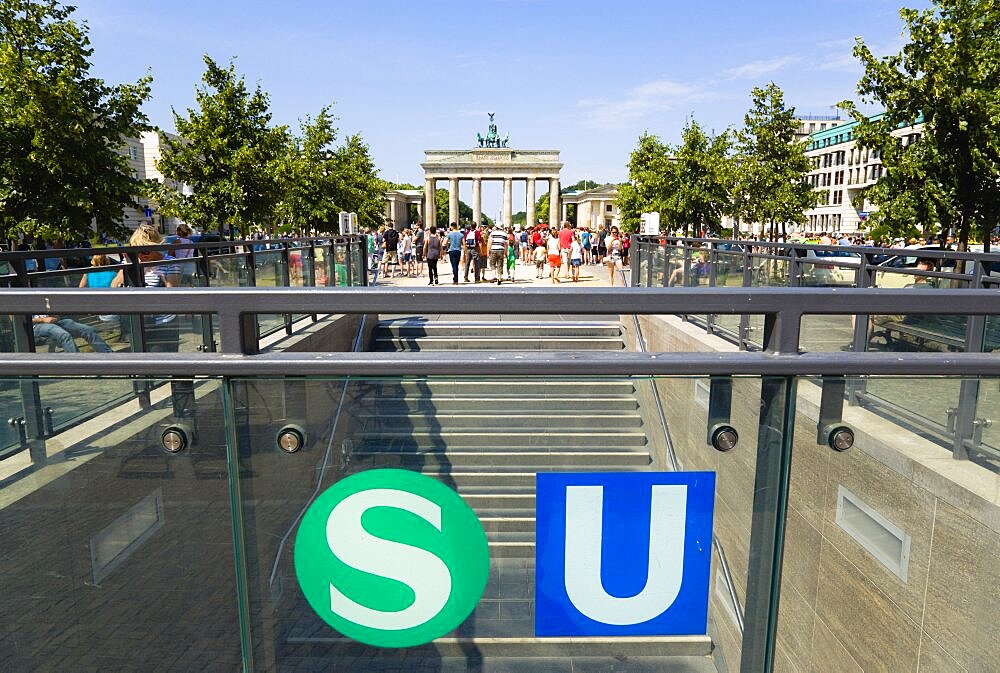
(487,439)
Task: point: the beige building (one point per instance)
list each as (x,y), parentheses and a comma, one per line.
(151,153)
(840,170)
(595,208)
(134,152)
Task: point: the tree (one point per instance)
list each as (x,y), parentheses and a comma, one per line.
(699,182)
(308,175)
(228,153)
(949,73)
(769,183)
(358,186)
(652,176)
(61,130)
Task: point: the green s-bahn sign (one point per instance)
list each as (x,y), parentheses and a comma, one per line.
(391,558)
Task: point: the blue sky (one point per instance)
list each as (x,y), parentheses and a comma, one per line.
(586,78)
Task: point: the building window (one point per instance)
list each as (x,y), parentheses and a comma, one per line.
(812,128)
(133,152)
(607,222)
(609,208)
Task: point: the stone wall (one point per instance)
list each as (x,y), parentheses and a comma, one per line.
(842,608)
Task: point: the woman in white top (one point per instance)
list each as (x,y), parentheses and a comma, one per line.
(575,258)
(615,253)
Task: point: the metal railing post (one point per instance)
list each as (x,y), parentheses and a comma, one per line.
(348,264)
(768,523)
(747,282)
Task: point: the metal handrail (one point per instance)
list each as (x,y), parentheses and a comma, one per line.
(782,309)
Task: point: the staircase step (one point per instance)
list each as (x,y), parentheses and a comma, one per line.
(511,549)
(477,501)
(562,460)
(476,386)
(412,329)
(693,651)
(498,343)
(442,403)
(501,419)
(448,438)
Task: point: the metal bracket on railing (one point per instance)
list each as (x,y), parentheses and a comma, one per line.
(19,424)
(47,419)
(830,429)
(978,426)
(952,418)
(720,433)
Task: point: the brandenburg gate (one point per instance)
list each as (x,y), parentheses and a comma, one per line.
(491,160)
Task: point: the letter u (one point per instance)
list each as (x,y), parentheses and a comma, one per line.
(665,568)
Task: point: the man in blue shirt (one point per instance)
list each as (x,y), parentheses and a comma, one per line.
(455,242)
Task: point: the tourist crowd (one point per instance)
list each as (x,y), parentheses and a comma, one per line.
(479,254)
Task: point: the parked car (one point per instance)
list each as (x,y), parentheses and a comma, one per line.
(830,268)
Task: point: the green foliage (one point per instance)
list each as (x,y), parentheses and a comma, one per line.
(629,208)
(542,208)
(308,175)
(581,186)
(769,176)
(358,187)
(699,190)
(61,130)
(228,154)
(688,184)
(949,72)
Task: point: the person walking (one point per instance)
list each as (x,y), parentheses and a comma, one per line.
(555,256)
(539,257)
(615,251)
(602,246)
(470,254)
(390,248)
(455,242)
(575,258)
(432,253)
(565,244)
(418,250)
(512,253)
(498,251)
(406,254)
(585,245)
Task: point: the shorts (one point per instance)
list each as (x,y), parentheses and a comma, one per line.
(555,260)
(540,264)
(391,257)
(498,259)
(524,245)
(576,262)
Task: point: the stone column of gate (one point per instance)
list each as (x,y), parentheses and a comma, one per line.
(477,200)
(530,204)
(453,200)
(565,211)
(507,201)
(430,217)
(583,214)
(554,202)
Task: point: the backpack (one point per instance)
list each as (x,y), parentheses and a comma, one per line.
(470,239)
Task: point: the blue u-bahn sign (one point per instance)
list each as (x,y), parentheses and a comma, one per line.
(623,553)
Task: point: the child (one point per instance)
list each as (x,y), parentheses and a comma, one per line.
(539,261)
(511,259)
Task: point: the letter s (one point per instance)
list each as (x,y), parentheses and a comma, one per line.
(426,574)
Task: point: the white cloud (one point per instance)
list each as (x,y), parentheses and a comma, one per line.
(755,69)
(646,99)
